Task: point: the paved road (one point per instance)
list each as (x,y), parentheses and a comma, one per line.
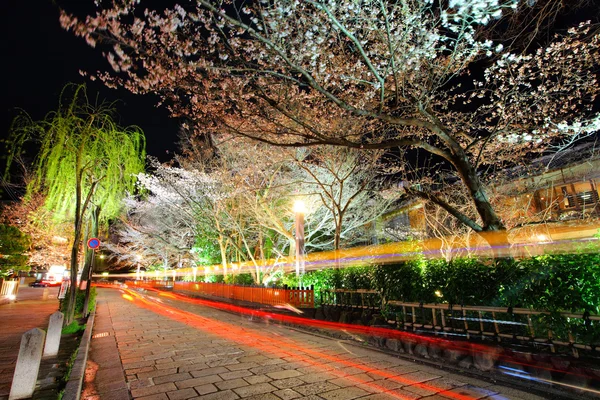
(153,347)
(29,311)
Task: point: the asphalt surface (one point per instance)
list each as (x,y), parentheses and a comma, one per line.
(28,312)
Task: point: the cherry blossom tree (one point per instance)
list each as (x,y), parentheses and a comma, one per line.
(345,182)
(419,75)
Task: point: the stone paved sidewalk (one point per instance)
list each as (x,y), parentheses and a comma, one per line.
(147,350)
(28,312)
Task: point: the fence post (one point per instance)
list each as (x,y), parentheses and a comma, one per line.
(28,364)
(54,333)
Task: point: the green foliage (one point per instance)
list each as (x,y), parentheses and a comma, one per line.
(206,250)
(241,279)
(73,327)
(400,281)
(80,143)
(79,300)
(13,246)
(553,283)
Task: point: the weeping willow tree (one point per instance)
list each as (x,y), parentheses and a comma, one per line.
(85,165)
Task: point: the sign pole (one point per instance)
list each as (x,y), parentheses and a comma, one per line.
(93,244)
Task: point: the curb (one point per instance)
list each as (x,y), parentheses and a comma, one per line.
(75,383)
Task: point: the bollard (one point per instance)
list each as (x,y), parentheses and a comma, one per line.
(45,294)
(28,364)
(53,336)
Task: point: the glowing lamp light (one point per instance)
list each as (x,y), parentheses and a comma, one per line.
(105,274)
(438,293)
(11,297)
(299,207)
(542,238)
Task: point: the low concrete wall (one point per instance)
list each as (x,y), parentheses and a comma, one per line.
(75,383)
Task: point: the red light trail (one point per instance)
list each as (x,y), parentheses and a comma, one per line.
(283,347)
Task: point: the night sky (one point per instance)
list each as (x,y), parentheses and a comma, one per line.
(39,58)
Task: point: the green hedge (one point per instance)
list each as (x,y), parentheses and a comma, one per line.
(550,282)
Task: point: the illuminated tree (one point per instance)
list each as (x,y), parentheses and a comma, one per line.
(345,181)
(50,243)
(419,75)
(14,245)
(85,163)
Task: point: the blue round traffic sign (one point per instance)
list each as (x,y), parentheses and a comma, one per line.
(93,243)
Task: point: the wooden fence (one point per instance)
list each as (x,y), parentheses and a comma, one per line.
(297,297)
(9,288)
(539,328)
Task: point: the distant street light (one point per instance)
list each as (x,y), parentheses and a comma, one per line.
(299,211)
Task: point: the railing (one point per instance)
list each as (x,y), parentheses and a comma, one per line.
(9,288)
(301,298)
(539,328)
(361,298)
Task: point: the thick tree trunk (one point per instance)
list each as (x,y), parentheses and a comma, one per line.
(223,250)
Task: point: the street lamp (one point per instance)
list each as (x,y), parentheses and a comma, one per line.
(299,211)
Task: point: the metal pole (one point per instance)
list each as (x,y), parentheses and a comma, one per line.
(89,284)
(299,243)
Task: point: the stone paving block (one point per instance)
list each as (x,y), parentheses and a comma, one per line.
(135,371)
(317,377)
(174,364)
(231,384)
(287,383)
(264,396)
(154,389)
(283,374)
(417,377)
(347,393)
(182,394)
(138,364)
(163,360)
(315,388)
(157,357)
(287,394)
(254,359)
(254,379)
(208,371)
(383,396)
(172,378)
(266,369)
(205,389)
(295,365)
(271,361)
(198,381)
(158,396)
(225,395)
(239,365)
(235,374)
(156,372)
(224,362)
(251,390)
(140,383)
